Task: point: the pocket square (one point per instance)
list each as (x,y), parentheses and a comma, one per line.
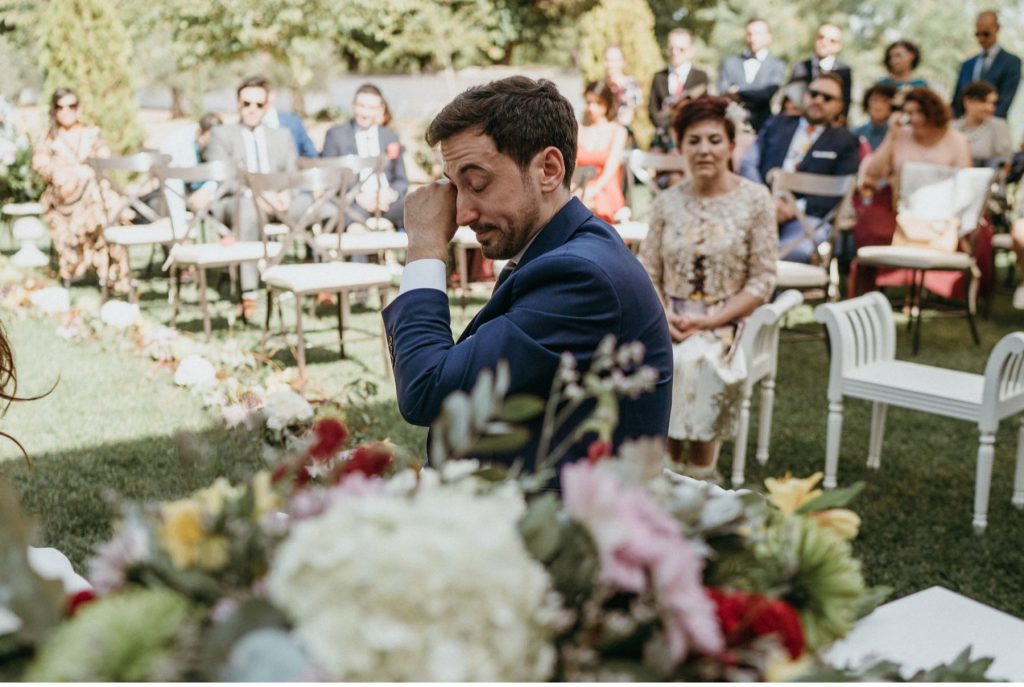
(825,154)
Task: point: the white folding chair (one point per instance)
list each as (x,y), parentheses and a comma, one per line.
(132,177)
(819,278)
(644,167)
(323,185)
(201,241)
(759,343)
(862,337)
(935,192)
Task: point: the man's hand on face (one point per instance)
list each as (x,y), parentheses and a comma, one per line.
(430,220)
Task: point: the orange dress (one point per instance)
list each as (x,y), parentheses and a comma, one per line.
(609,200)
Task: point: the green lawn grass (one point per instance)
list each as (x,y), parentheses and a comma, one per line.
(115,426)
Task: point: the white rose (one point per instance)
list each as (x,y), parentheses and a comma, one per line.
(195,371)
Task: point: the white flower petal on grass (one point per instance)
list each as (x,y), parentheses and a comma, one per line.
(284,408)
(195,371)
(119,314)
(53,299)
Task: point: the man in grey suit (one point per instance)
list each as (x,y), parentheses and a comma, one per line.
(754,76)
(253,147)
(367,135)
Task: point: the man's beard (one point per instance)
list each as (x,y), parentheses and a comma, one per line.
(517,234)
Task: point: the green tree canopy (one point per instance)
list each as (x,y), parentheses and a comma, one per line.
(85,46)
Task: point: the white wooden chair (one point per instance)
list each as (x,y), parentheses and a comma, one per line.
(759,342)
(644,167)
(819,278)
(862,336)
(156,230)
(201,241)
(935,192)
(308,279)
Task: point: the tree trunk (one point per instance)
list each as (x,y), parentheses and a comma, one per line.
(177,106)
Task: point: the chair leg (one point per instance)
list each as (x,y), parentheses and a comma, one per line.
(983,480)
(203,305)
(175,287)
(1018,475)
(835,432)
(764,422)
(739,459)
(919,304)
(342,321)
(266,321)
(972,306)
(878,412)
(301,354)
(382,294)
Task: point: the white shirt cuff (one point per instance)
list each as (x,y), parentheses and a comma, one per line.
(428,273)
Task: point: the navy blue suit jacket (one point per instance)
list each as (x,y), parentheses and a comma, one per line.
(575,284)
(294,125)
(836,152)
(1004,74)
(341,140)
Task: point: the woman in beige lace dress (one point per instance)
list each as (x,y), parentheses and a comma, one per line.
(711,255)
(75,204)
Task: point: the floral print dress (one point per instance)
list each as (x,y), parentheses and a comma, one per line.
(76,206)
(699,252)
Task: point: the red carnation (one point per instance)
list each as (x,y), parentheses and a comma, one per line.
(746,616)
(598,450)
(75,601)
(371,460)
(330,436)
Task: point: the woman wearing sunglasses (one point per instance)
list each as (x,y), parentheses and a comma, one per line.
(73,201)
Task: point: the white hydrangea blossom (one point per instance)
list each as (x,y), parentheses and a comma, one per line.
(119,314)
(195,371)
(284,408)
(433,587)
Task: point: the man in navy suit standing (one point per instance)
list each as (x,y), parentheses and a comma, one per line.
(509,149)
(808,143)
(753,76)
(993,64)
(828,41)
(366,135)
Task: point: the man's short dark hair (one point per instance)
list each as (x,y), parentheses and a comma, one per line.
(208,121)
(978,90)
(255,81)
(836,79)
(881,90)
(522,117)
(368,88)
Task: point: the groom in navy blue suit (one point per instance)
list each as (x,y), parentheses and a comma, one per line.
(509,148)
(993,64)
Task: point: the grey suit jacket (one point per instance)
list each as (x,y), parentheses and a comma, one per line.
(756,96)
(226,143)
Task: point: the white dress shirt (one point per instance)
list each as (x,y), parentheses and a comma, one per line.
(984,63)
(256,157)
(803,139)
(677,78)
(752,64)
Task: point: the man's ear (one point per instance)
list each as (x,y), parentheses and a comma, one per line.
(550,168)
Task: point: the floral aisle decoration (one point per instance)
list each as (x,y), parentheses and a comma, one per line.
(19,182)
(343,561)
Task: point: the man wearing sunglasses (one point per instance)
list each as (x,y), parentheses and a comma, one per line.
(828,41)
(810,143)
(254,147)
(993,64)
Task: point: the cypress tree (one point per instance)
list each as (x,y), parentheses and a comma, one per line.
(85,46)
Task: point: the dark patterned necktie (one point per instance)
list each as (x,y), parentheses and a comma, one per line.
(503,275)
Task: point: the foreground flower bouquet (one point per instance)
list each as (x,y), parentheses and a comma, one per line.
(351,562)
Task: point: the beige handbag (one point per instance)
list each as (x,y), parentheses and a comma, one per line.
(920,232)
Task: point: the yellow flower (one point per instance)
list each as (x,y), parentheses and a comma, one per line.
(265,499)
(212,498)
(185,539)
(788,494)
(781,668)
(182,531)
(841,521)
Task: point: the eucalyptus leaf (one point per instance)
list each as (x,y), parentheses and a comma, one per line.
(515,439)
(836,498)
(872,599)
(520,408)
